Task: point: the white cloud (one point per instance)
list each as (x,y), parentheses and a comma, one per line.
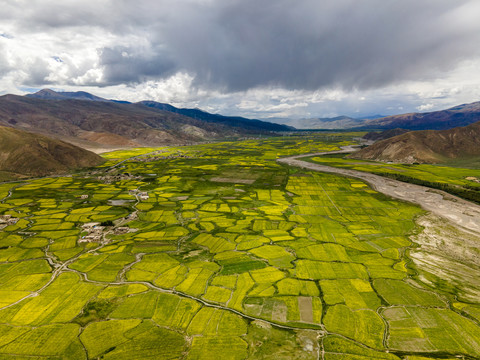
(425,107)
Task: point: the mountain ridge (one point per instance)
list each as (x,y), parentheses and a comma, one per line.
(460,115)
(236,121)
(97,123)
(49,94)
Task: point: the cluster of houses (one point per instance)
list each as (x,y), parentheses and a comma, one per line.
(95,231)
(142,195)
(6,220)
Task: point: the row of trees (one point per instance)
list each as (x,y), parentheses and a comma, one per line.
(470,193)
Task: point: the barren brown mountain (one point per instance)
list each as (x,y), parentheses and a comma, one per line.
(94,123)
(26,154)
(426,146)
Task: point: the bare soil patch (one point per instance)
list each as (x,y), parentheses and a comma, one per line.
(232,180)
(305,307)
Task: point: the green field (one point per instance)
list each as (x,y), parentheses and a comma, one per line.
(461,178)
(217,251)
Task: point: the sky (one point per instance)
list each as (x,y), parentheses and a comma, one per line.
(254,58)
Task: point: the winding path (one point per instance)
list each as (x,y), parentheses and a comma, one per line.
(460,212)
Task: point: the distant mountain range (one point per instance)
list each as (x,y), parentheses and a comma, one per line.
(231,121)
(426,146)
(26,154)
(91,121)
(460,115)
(335,123)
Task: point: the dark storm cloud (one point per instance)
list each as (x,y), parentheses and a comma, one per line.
(129,65)
(315,44)
(241,44)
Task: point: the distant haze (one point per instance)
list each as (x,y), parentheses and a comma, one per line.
(274,58)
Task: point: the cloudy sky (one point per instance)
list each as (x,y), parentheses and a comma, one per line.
(256,58)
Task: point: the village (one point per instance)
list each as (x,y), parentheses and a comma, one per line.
(96,231)
(168,157)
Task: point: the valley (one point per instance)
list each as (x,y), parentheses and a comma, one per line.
(231,250)
(239,180)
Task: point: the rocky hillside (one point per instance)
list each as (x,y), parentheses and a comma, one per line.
(427,146)
(26,154)
(387,134)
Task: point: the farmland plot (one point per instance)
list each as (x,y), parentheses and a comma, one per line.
(216,251)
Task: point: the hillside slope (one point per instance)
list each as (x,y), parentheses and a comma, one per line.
(387,134)
(427,146)
(24,153)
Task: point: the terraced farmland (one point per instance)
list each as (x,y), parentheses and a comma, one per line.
(217,251)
